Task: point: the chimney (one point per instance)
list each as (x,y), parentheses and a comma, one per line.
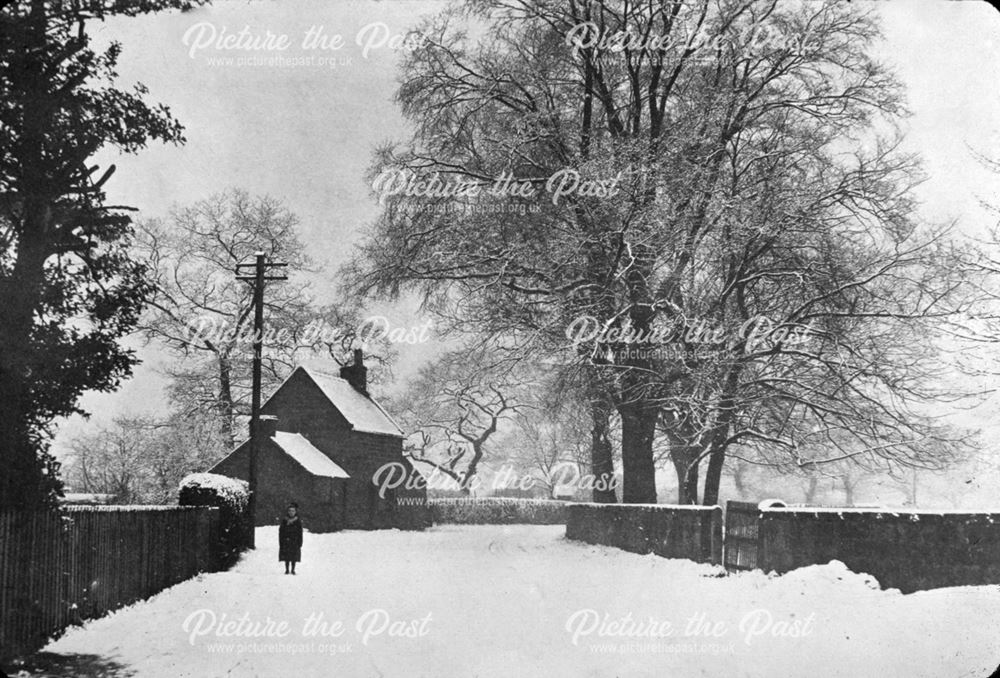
(356,374)
(268,426)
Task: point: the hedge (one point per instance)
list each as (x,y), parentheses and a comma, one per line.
(497,511)
(232,498)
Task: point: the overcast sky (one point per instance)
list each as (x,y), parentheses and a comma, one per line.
(304,133)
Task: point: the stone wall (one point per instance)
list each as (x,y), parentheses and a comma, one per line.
(692,532)
(909,551)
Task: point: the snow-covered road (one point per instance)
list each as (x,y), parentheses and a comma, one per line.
(513,601)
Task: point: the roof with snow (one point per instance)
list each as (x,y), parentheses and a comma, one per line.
(308,457)
(361,412)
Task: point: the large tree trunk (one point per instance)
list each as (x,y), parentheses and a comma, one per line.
(684,457)
(638,470)
(473,468)
(227,410)
(601,453)
(720,436)
(23,482)
(713,475)
(717,453)
(686,468)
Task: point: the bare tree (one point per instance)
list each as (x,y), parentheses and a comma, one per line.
(736,207)
(108,462)
(452,410)
(141,459)
(550,442)
(204,315)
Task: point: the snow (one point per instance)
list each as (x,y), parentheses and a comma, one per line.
(892,511)
(236,492)
(672,507)
(308,457)
(363,413)
(86,498)
(504,601)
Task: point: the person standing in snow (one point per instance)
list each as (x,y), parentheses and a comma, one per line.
(290,539)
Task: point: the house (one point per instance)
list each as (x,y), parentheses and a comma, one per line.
(324,440)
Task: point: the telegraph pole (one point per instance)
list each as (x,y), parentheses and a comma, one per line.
(260,267)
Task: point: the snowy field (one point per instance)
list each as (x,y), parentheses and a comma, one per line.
(513,601)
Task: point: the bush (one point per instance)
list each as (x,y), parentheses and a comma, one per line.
(232,498)
(497,511)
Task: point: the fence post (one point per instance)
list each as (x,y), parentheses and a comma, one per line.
(716,523)
(6,638)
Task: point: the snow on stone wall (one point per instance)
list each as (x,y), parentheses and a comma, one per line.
(908,550)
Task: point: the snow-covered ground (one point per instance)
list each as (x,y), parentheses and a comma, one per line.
(512,601)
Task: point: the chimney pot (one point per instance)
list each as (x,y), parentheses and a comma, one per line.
(356,374)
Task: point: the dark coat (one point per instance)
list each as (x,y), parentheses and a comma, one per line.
(290,540)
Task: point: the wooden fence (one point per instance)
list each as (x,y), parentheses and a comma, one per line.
(60,568)
(742,526)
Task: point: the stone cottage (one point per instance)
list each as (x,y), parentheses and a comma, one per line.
(324,441)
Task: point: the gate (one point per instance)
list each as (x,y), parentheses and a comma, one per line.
(741,539)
